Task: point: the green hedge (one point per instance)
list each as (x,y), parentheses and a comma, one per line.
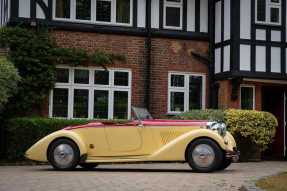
(207,114)
(21,133)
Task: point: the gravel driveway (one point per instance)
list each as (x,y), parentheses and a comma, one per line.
(133,177)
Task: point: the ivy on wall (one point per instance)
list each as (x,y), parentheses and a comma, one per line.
(35,55)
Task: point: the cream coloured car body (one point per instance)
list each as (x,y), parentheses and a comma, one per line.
(132,142)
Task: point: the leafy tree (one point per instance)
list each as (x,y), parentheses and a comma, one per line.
(8,80)
(35,54)
(31,53)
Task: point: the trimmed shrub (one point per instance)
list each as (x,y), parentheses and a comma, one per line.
(253,130)
(208,114)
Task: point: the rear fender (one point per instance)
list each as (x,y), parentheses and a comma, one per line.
(38,151)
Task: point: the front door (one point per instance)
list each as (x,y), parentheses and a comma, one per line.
(274,101)
(125,140)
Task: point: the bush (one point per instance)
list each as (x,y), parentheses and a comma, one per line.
(8,80)
(208,114)
(258,127)
(22,133)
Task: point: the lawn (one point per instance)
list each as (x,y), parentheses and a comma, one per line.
(274,183)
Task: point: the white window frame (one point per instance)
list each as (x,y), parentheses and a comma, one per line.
(93,19)
(111,88)
(176,5)
(185,90)
(254,96)
(268,7)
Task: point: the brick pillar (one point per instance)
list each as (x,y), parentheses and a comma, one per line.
(224,96)
(258,98)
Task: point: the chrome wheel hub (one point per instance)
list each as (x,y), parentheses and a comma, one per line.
(63,155)
(203,155)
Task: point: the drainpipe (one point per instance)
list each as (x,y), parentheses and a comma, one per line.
(148,54)
(212,84)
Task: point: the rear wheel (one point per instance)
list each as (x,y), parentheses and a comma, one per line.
(204,155)
(88,166)
(64,154)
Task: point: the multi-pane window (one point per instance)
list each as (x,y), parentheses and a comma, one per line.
(186,92)
(123,11)
(104,10)
(118,12)
(247,97)
(114,11)
(268,11)
(83,9)
(60,102)
(91,93)
(173,14)
(63,9)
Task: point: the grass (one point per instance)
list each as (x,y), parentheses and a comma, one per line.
(274,183)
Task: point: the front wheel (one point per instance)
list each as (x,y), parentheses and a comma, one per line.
(63,154)
(204,155)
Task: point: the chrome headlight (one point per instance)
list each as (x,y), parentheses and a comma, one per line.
(219,127)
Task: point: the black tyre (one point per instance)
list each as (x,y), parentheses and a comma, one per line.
(204,155)
(88,166)
(63,154)
(225,163)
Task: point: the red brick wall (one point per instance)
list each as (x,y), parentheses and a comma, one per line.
(224,95)
(132,47)
(167,55)
(172,55)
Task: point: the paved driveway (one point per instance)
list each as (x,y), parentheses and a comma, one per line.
(133,177)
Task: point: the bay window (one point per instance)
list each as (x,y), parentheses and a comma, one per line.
(116,12)
(186,92)
(268,12)
(91,93)
(173,14)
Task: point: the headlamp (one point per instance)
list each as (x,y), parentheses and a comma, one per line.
(217,126)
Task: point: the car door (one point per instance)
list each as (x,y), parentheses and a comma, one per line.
(124,140)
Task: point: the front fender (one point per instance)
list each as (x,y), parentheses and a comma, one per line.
(175,150)
(38,151)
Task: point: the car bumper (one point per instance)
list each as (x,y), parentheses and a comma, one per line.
(233,155)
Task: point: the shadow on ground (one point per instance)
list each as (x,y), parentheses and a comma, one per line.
(137,170)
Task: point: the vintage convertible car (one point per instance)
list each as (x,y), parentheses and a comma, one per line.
(206,146)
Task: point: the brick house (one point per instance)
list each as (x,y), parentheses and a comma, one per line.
(181,55)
